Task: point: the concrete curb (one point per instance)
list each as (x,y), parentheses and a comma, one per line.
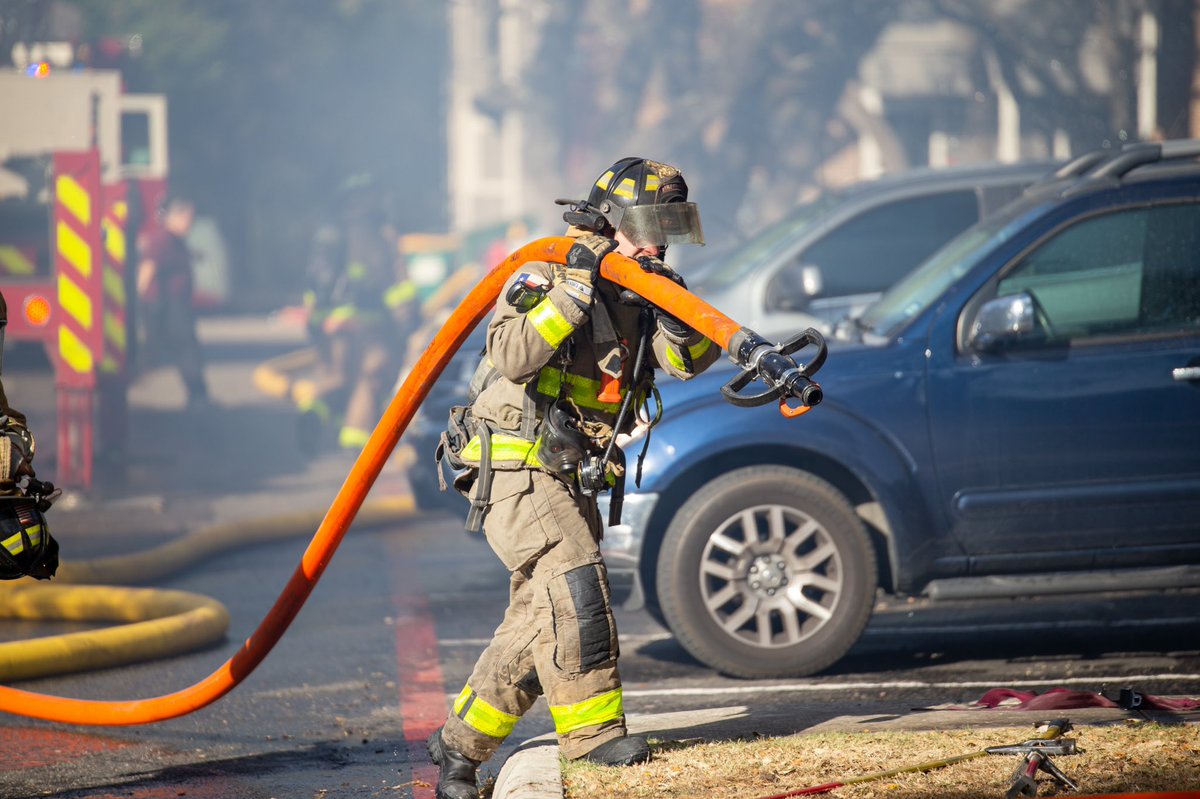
(532,772)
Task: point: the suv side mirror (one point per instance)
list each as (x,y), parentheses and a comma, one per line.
(794,286)
(1007,322)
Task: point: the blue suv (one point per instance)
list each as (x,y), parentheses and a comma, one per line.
(1019,416)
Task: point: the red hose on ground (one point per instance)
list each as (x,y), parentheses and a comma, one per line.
(477,304)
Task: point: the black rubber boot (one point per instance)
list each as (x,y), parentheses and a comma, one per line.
(457,780)
(620,752)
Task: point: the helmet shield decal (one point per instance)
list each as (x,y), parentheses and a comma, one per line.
(660,225)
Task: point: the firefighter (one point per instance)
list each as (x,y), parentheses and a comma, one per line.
(164,284)
(535,437)
(26,547)
(360,304)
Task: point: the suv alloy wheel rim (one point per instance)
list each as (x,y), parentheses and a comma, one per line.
(771,576)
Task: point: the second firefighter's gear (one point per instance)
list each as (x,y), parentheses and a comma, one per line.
(456,779)
(26,547)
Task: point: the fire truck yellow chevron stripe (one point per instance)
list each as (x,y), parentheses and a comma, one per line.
(74,197)
(114,240)
(72,246)
(14,262)
(114,331)
(113,286)
(73,351)
(74,301)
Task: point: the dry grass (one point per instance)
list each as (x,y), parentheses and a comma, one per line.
(1119,758)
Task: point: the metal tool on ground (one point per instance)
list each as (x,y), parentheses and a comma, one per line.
(1035,756)
(1051,732)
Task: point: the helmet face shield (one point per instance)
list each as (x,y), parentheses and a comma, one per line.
(662,224)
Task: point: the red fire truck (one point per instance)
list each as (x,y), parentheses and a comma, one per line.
(81,164)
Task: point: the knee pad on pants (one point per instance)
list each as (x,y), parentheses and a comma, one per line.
(585,630)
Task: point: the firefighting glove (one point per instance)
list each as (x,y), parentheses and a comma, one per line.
(674,329)
(657,266)
(583,267)
(16,451)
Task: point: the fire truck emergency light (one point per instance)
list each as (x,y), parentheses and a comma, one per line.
(36,309)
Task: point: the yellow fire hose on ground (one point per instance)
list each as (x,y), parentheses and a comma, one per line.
(772,364)
(154,623)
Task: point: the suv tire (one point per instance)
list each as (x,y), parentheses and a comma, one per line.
(786,599)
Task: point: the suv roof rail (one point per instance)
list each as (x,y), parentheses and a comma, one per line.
(1131,156)
(1080,164)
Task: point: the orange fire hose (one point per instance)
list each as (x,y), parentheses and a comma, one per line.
(477,304)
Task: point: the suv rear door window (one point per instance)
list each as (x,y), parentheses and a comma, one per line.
(875,249)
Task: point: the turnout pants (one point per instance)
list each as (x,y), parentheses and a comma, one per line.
(558,636)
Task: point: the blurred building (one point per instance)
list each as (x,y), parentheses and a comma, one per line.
(930,92)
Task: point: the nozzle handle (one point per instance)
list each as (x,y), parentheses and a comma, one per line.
(774,365)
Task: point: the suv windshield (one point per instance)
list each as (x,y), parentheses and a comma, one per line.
(763,248)
(921,287)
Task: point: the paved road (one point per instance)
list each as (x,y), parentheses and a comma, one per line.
(341,707)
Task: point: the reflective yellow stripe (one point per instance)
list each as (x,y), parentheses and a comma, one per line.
(77,251)
(114,286)
(309,403)
(651,182)
(74,351)
(627,189)
(479,715)
(14,262)
(353,437)
(74,197)
(504,448)
(74,301)
(696,350)
(399,294)
(16,546)
(114,240)
(342,312)
(549,322)
(587,713)
(604,179)
(582,390)
(356,271)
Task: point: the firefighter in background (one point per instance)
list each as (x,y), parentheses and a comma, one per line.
(26,547)
(360,306)
(534,440)
(164,287)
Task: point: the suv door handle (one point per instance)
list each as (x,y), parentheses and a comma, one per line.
(1185,373)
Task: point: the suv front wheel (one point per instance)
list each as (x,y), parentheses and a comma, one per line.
(767,572)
